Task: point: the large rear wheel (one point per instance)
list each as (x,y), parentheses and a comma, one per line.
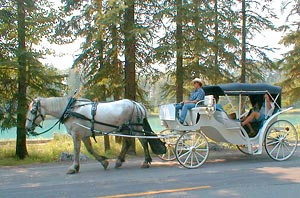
(281,140)
(191,149)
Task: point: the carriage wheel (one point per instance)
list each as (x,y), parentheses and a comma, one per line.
(170,145)
(244,148)
(281,140)
(191,149)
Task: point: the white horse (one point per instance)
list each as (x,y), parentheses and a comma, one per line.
(124,116)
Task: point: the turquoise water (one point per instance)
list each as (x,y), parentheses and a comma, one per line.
(154,121)
(12,133)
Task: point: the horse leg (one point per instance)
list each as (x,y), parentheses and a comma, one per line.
(74,168)
(125,147)
(148,159)
(88,145)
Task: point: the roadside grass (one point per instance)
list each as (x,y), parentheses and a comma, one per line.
(50,151)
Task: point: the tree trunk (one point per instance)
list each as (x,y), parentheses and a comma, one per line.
(100,46)
(130,48)
(216,39)
(21,149)
(179,52)
(243,59)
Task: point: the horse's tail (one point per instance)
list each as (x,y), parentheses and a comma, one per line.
(157,146)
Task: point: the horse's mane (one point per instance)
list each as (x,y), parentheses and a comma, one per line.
(55,104)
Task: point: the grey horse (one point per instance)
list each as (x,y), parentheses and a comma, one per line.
(124,116)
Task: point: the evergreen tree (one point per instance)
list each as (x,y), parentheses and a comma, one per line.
(256,16)
(23,25)
(290,64)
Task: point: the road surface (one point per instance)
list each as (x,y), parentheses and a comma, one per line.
(225,174)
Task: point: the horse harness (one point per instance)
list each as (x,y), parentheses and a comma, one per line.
(69,111)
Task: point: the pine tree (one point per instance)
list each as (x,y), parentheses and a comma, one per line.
(23,25)
(290,64)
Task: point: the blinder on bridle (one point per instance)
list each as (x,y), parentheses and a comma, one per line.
(36,112)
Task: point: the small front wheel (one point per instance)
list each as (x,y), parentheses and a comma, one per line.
(191,149)
(170,138)
(281,140)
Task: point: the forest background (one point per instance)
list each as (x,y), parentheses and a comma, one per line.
(142,50)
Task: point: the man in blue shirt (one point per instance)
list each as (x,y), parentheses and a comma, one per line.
(196,95)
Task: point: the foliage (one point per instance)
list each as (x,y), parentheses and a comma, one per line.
(101,61)
(212,40)
(290,64)
(41,80)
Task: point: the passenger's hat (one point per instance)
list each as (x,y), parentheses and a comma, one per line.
(197,80)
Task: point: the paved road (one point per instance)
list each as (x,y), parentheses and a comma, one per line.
(224,175)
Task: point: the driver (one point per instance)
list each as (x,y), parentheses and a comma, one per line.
(196,95)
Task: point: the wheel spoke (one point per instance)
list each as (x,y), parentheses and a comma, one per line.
(192,158)
(198,141)
(185,145)
(184,154)
(278,151)
(287,147)
(185,161)
(271,143)
(274,148)
(282,148)
(200,144)
(200,155)
(196,158)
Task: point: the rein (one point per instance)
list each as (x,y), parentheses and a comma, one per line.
(33,133)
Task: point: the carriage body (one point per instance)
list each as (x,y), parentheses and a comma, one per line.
(206,121)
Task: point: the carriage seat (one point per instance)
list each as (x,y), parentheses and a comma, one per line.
(206,106)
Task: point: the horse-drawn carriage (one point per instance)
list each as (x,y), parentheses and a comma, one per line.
(191,147)
(187,143)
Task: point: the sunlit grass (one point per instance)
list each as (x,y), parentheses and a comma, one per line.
(50,151)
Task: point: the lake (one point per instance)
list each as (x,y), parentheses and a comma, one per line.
(154,121)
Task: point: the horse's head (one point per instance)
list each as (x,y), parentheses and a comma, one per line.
(35,115)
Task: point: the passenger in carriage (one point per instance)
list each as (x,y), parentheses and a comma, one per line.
(259,116)
(197,95)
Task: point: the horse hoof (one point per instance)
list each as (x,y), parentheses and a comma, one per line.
(145,165)
(105,164)
(118,164)
(71,171)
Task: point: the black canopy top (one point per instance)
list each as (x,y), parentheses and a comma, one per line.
(241,88)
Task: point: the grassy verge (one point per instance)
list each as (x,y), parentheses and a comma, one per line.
(50,151)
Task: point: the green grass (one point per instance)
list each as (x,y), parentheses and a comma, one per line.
(50,151)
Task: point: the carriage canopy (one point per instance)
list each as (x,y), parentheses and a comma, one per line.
(254,91)
(242,88)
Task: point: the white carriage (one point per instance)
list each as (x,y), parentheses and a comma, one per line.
(189,144)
